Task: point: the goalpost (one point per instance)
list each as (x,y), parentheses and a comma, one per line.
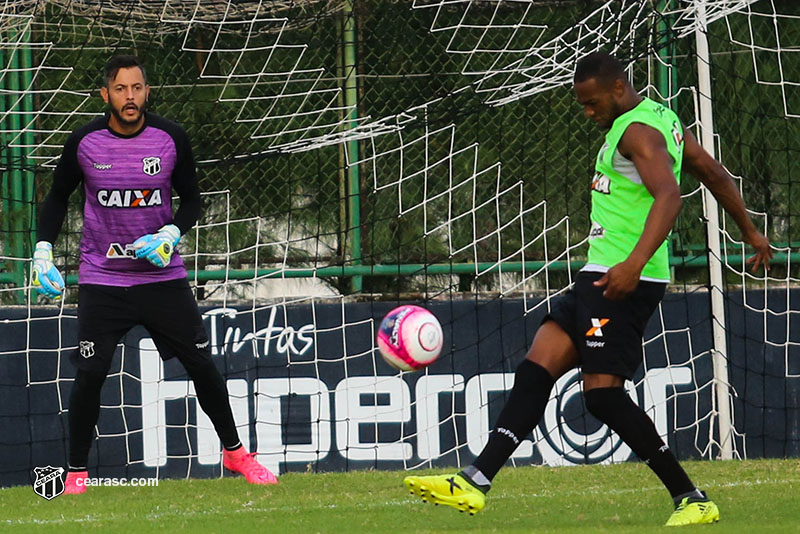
(358,154)
(711,213)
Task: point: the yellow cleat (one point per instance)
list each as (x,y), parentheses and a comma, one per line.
(693,511)
(450,490)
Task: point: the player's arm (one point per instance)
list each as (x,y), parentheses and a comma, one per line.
(718,180)
(68,174)
(184,181)
(647,149)
(158,248)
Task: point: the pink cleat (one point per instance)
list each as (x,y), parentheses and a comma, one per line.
(72,486)
(241,461)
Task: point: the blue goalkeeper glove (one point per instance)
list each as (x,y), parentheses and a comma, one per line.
(158,248)
(44,274)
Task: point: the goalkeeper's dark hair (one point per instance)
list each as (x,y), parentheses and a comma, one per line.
(121,61)
(604,67)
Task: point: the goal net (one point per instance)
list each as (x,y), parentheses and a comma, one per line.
(359,154)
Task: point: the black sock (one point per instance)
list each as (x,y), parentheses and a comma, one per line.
(615,408)
(212,394)
(522,412)
(84,409)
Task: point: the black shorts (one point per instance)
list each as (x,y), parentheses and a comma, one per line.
(608,334)
(167,310)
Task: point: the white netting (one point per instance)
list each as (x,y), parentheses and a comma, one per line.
(772,57)
(472,184)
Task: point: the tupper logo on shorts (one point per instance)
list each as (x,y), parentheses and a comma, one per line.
(49,482)
(596,329)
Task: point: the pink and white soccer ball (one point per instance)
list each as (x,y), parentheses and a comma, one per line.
(410,338)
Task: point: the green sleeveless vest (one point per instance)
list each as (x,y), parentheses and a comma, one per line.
(621,202)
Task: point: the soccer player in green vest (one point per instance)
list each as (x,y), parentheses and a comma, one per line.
(598,324)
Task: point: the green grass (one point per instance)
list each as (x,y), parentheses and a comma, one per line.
(753,496)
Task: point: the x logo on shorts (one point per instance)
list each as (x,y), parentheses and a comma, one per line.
(595,330)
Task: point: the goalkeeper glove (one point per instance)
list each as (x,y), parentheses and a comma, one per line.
(44,274)
(158,248)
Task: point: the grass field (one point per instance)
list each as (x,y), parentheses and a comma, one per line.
(753,496)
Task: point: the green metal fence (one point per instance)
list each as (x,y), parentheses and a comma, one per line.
(358,61)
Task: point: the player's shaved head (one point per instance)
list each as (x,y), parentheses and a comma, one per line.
(603,67)
(603,89)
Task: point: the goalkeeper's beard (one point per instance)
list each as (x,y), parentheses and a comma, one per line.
(119,113)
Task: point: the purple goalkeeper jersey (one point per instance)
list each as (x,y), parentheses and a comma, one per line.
(128,183)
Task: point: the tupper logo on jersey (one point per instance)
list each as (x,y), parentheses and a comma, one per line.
(49,483)
(129,198)
(151,166)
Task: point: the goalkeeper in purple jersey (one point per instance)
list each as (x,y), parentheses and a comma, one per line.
(130,274)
